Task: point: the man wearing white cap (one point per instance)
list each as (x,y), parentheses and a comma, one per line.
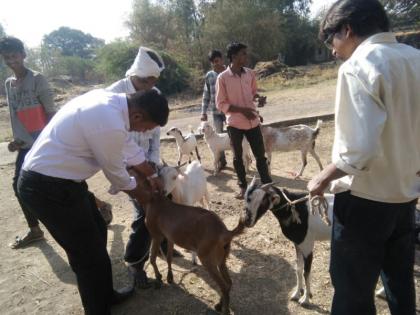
(142,76)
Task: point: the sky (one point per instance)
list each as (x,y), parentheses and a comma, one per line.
(30,20)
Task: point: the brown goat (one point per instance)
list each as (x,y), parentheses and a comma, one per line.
(195,229)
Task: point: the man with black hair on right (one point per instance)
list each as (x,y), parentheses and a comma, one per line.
(377,145)
(236,90)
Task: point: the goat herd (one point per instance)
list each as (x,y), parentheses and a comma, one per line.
(204,234)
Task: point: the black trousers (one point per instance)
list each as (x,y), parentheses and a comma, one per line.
(256,143)
(29,216)
(139,241)
(68,210)
(370,239)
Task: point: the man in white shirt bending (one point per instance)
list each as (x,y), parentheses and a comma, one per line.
(142,76)
(377,144)
(90,133)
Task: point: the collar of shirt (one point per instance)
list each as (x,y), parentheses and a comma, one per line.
(231,73)
(123,104)
(380,38)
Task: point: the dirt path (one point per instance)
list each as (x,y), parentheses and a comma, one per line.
(38,280)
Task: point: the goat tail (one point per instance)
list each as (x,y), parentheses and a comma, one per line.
(238,229)
(191,129)
(317,128)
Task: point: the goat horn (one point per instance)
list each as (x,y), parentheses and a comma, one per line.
(266,186)
(164,163)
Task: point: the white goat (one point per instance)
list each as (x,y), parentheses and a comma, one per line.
(187,187)
(298,137)
(185,145)
(300,226)
(219,142)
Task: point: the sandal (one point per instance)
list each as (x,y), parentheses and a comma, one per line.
(30,237)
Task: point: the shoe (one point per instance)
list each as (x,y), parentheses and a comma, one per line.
(29,238)
(241,194)
(121,295)
(139,278)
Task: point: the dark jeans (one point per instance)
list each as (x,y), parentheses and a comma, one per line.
(69,212)
(368,237)
(29,216)
(256,142)
(218,121)
(139,241)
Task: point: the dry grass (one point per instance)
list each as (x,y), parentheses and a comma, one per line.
(306,76)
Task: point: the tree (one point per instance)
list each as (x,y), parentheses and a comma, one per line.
(403,13)
(71,42)
(116,58)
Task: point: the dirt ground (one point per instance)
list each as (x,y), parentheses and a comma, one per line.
(38,280)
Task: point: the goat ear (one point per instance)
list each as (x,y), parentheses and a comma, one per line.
(275,199)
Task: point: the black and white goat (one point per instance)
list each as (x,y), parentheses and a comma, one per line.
(186,145)
(298,224)
(297,137)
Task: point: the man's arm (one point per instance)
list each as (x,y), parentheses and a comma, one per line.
(45,96)
(206,99)
(360,120)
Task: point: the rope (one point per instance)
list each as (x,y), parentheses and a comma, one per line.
(317,203)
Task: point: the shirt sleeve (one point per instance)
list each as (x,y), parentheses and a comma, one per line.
(45,95)
(154,146)
(108,148)
(360,120)
(206,96)
(222,102)
(253,84)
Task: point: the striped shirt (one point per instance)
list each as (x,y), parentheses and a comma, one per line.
(209,93)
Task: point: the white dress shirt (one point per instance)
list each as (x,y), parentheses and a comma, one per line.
(87,134)
(377,138)
(149,140)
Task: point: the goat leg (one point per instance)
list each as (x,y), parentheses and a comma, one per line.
(198,155)
(153,254)
(223,305)
(298,292)
(169,255)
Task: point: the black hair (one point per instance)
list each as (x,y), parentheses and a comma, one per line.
(215,54)
(233,48)
(10,44)
(365,17)
(155,58)
(153,104)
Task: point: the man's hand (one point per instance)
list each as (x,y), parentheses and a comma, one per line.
(249,113)
(15,145)
(320,182)
(203,117)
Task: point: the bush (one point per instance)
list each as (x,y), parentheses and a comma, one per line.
(116,58)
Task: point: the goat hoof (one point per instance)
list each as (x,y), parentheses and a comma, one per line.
(304,301)
(296,295)
(170,278)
